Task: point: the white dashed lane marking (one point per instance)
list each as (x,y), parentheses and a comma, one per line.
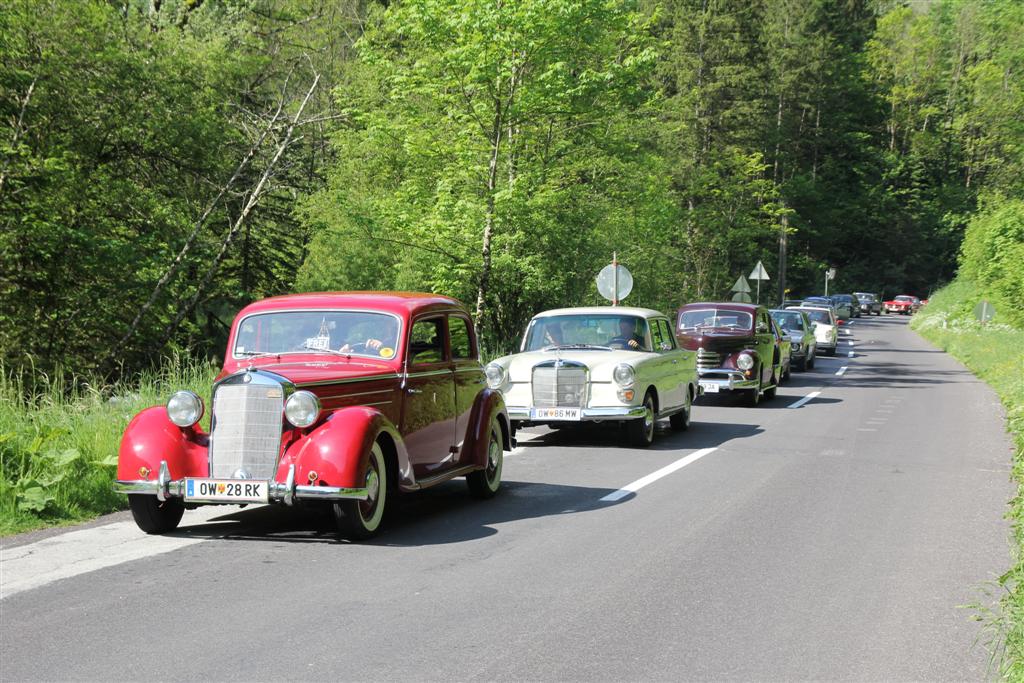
(809,397)
(635,486)
(841,371)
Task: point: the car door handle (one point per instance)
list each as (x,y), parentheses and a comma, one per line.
(412,390)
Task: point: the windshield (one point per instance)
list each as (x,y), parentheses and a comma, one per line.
(600,331)
(713,318)
(818,316)
(359,333)
(788,320)
(866,297)
(904,298)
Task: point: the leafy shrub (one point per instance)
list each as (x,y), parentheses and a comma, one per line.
(993,256)
(59,441)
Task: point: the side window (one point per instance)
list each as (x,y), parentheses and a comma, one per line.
(657,335)
(426,341)
(461,339)
(670,338)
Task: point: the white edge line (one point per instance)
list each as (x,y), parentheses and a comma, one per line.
(850,354)
(635,486)
(809,397)
(841,371)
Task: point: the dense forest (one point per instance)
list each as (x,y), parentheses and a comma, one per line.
(164,162)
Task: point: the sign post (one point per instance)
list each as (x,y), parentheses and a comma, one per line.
(615,282)
(830,274)
(759,273)
(741,290)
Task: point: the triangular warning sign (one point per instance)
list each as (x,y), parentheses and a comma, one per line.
(759,272)
(741,285)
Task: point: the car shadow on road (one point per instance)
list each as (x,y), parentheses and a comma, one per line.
(446,513)
(593,435)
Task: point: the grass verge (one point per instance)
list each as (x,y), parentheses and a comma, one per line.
(59,441)
(995,353)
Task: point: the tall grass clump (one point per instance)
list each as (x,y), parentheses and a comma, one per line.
(59,438)
(995,353)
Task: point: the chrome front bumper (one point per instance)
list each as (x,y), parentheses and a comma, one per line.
(164,487)
(730,380)
(609,413)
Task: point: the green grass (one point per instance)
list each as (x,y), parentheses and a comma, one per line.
(59,441)
(995,353)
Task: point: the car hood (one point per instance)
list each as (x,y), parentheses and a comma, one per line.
(720,341)
(321,371)
(601,363)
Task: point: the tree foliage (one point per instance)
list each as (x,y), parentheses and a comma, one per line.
(499,152)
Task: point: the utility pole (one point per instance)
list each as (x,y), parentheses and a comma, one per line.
(782,257)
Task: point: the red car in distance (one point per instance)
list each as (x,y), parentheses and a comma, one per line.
(904,304)
(337,399)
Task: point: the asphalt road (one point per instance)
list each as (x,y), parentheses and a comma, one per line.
(835,540)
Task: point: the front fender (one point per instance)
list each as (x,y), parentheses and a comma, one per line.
(151,437)
(488,407)
(338,449)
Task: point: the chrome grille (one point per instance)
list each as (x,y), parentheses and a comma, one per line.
(559,385)
(247,430)
(707,360)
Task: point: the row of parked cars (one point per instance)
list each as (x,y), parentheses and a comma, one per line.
(345,399)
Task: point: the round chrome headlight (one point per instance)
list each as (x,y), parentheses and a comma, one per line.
(184,408)
(624,375)
(744,361)
(302,408)
(495,375)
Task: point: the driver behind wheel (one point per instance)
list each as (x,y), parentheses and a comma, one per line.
(628,335)
(375,337)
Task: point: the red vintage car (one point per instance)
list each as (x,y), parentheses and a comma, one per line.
(904,304)
(340,399)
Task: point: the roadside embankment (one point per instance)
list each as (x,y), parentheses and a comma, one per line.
(995,353)
(59,441)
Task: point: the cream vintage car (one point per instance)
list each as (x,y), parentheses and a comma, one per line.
(599,364)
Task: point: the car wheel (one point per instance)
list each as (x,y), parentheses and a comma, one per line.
(681,420)
(769,394)
(486,482)
(788,373)
(358,520)
(153,516)
(754,396)
(641,431)
(830,352)
(802,365)
(810,359)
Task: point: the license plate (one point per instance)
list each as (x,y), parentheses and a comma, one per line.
(709,387)
(555,414)
(227,490)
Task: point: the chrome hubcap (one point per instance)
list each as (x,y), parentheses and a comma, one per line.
(372,486)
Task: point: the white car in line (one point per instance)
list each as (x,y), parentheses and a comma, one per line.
(605,363)
(826,327)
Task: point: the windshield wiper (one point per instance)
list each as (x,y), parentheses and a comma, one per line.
(256,354)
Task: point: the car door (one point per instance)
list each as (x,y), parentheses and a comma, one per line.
(468,373)
(765,346)
(673,378)
(428,412)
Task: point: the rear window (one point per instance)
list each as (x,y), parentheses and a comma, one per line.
(819,316)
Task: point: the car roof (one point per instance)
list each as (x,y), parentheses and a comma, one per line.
(813,308)
(734,305)
(603,310)
(400,303)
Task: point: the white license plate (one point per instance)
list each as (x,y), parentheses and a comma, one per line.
(227,490)
(709,387)
(554,414)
